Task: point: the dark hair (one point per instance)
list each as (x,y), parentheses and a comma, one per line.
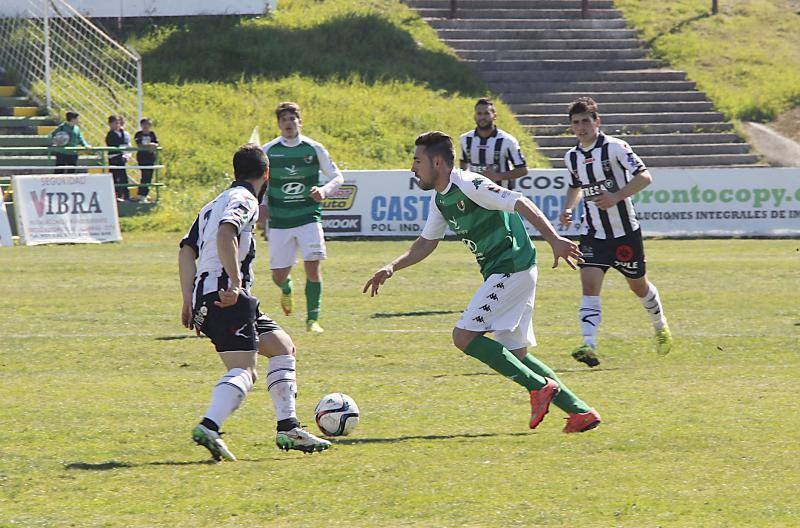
(583,105)
(249,162)
(437,144)
(145,120)
(112,119)
(484,101)
(72,115)
(287,106)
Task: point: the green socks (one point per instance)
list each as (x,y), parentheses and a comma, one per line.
(313,299)
(285,286)
(565,399)
(499,359)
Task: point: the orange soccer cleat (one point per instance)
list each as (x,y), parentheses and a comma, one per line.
(580,422)
(540,401)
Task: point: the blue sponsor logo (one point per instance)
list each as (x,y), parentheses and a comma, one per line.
(400,208)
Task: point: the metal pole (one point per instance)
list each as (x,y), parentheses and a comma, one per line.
(453,8)
(584,8)
(47,73)
(139,88)
(714,7)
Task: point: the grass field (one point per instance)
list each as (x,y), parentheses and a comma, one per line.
(746,57)
(101,387)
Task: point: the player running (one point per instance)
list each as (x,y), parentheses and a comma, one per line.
(215,263)
(486,217)
(293,206)
(606,172)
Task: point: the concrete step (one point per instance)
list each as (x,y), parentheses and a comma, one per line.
(710,160)
(14,101)
(602,98)
(511,4)
(7,90)
(622,129)
(537,54)
(667,150)
(623,119)
(522,65)
(27,121)
(20,111)
(471,43)
(620,76)
(24,151)
(526,23)
(590,86)
(567,142)
(617,108)
(24,141)
(43,161)
(536,34)
(471,13)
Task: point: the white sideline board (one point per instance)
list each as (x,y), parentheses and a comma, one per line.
(5,224)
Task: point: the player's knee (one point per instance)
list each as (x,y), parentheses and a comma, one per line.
(462,338)
(276,343)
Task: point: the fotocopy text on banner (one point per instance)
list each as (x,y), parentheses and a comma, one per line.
(5,223)
(66,208)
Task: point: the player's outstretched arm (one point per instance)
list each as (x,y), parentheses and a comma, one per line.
(419,250)
(563,248)
(187,267)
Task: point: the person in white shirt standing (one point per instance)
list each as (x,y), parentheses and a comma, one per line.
(216,271)
(606,173)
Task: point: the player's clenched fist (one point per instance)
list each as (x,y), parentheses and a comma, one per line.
(378,279)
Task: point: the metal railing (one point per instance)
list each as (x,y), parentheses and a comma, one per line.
(63,61)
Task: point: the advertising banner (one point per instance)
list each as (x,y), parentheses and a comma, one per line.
(5,224)
(66,208)
(680,202)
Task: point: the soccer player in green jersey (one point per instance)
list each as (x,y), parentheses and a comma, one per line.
(293,207)
(486,217)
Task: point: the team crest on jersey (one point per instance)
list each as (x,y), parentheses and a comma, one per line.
(461,205)
(308,159)
(477,183)
(606,165)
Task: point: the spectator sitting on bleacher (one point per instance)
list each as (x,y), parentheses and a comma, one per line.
(146,138)
(68,134)
(116,138)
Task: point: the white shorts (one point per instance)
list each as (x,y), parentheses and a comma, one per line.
(504,305)
(284,243)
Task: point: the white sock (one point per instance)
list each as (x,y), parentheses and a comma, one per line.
(228,394)
(282,385)
(590,316)
(652,303)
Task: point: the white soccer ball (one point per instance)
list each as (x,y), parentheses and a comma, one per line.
(336,414)
(60,138)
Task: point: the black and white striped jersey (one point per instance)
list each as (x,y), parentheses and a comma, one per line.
(610,164)
(237,205)
(500,150)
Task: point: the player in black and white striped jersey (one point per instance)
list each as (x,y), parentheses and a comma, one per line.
(215,266)
(490,151)
(606,173)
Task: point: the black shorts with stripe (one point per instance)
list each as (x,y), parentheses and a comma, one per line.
(233,328)
(625,254)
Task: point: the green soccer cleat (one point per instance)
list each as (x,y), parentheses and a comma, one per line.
(301,440)
(663,341)
(211,440)
(314,327)
(287,303)
(585,354)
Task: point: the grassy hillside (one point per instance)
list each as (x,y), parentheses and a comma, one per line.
(746,57)
(370,76)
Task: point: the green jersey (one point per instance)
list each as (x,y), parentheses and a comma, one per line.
(294,168)
(482,215)
(67,135)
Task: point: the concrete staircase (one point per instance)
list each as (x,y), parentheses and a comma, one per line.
(24,135)
(539,55)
